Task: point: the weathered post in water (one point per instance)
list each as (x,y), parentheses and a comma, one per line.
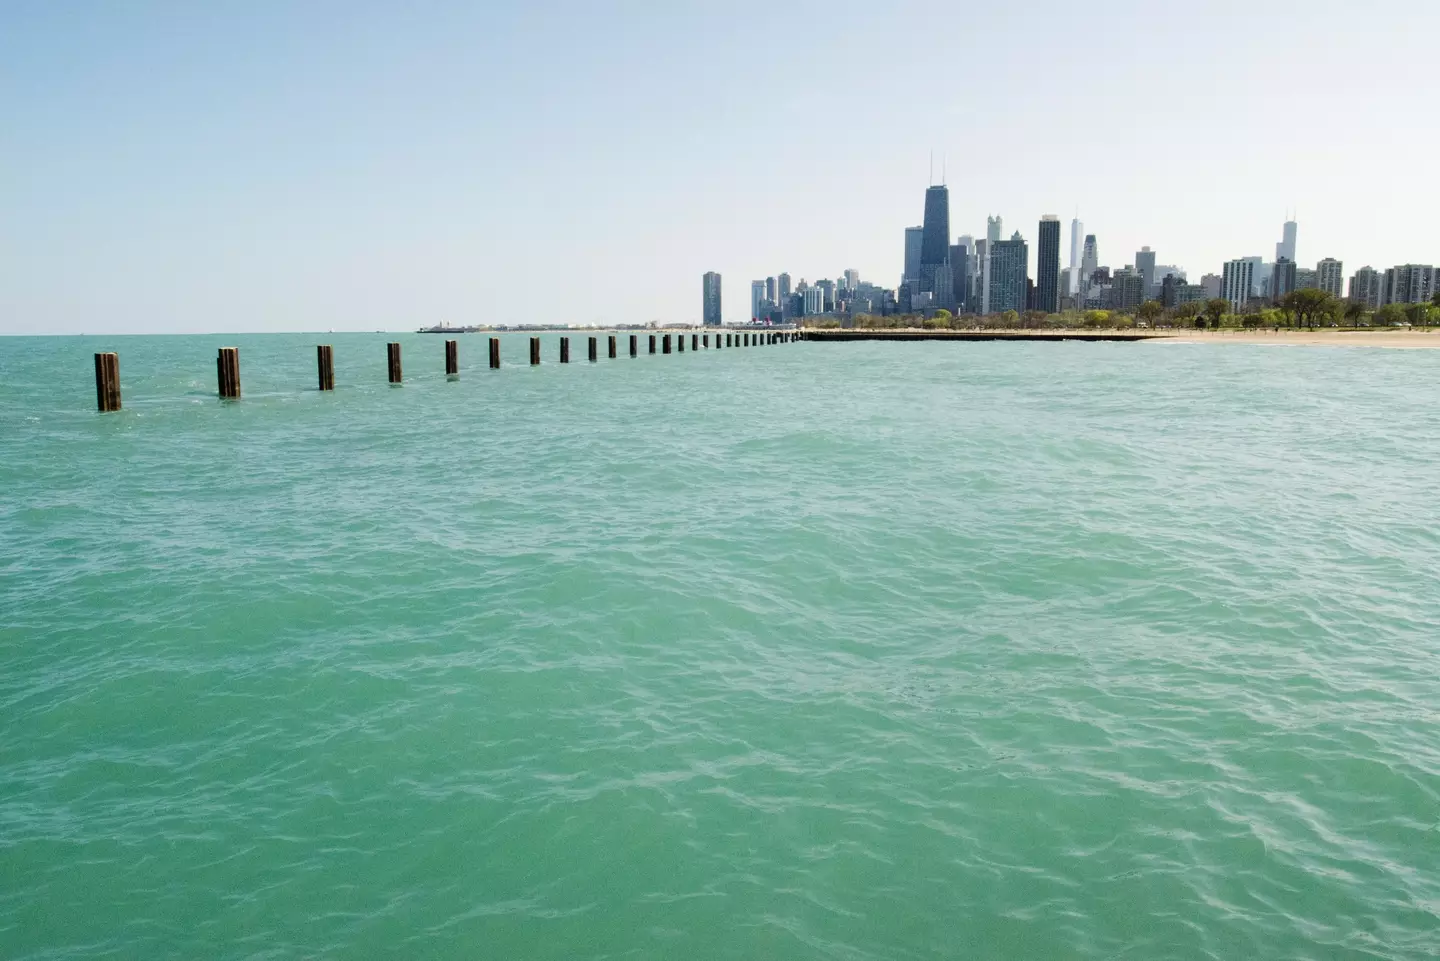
(564,350)
(392,353)
(694,341)
(634,345)
(666,343)
(494,353)
(705,341)
(652,343)
(227,366)
(594,349)
(107,382)
(325,361)
(534,351)
(452,359)
(612,346)
(680,342)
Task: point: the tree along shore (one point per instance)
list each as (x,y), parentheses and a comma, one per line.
(1301,309)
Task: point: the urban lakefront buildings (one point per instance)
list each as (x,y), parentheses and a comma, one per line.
(992,275)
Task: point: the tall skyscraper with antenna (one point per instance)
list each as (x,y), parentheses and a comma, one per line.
(935,276)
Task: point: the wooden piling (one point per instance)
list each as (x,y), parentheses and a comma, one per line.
(652,343)
(325,362)
(634,345)
(392,354)
(612,346)
(564,350)
(694,341)
(705,341)
(227,367)
(452,359)
(494,353)
(680,342)
(534,351)
(594,349)
(107,382)
(666,344)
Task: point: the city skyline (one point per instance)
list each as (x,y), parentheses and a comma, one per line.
(275,167)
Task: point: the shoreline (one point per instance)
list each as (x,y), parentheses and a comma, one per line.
(1391,338)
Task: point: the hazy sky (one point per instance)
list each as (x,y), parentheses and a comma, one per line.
(307,165)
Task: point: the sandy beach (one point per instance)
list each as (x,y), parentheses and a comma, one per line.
(1394,337)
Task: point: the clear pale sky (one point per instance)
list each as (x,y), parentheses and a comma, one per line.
(243,165)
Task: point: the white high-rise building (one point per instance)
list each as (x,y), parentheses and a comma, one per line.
(1286,247)
(814,301)
(993,226)
(1330,277)
(1238,281)
(852,279)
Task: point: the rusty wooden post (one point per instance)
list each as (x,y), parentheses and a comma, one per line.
(534,351)
(107,382)
(452,359)
(564,350)
(325,361)
(392,356)
(666,344)
(494,353)
(227,366)
(634,345)
(612,346)
(652,343)
(594,349)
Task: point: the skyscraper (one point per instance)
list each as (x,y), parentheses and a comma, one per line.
(1282,278)
(993,226)
(772,290)
(712,299)
(783,283)
(1409,284)
(1286,247)
(1077,232)
(1330,277)
(935,246)
(1238,281)
(960,272)
(1367,287)
(1009,261)
(1145,267)
(757,299)
(1090,260)
(914,236)
(852,279)
(1047,265)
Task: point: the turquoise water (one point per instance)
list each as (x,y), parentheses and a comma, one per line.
(857,651)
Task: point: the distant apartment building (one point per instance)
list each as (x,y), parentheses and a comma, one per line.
(914,242)
(813,301)
(1409,284)
(1127,288)
(1238,281)
(1174,291)
(1009,263)
(1214,285)
(1367,288)
(1305,278)
(1145,267)
(711,310)
(1283,279)
(758,303)
(1047,266)
(852,279)
(1330,277)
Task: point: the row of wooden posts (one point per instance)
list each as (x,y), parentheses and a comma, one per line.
(227,364)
